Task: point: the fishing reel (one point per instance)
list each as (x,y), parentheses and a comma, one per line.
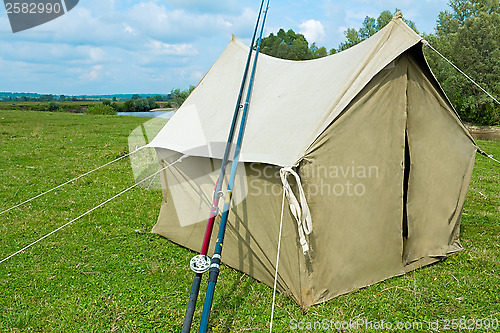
(200,263)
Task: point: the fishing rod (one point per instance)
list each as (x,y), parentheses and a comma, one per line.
(201,263)
(216,258)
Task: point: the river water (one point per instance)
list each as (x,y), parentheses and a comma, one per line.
(493,136)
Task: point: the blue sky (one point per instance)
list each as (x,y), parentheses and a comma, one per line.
(108,46)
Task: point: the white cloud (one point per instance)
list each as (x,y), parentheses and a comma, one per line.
(196,76)
(107,46)
(342,29)
(220,6)
(97,54)
(313,30)
(157,47)
(93,74)
(128,29)
(108,43)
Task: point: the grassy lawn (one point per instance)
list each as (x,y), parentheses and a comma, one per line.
(46,106)
(100,275)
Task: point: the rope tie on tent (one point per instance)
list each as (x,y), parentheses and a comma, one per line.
(70,181)
(458,69)
(298,207)
(91,210)
(277,264)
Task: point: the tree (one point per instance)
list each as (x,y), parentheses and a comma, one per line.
(135,105)
(370,27)
(290,45)
(128,106)
(101,109)
(293,46)
(53,106)
(318,52)
(353,37)
(385,17)
(469,36)
(177,97)
(46,98)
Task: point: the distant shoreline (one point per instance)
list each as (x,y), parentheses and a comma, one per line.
(484,132)
(161,109)
(483,129)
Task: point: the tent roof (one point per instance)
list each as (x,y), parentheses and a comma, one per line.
(292,103)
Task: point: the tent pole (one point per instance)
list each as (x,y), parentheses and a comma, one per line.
(200,263)
(216,258)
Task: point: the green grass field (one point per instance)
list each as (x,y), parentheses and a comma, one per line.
(75,107)
(100,275)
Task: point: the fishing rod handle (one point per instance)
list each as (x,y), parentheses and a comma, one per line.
(213,272)
(188,319)
(213,275)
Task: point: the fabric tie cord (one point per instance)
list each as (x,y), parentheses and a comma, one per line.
(298,207)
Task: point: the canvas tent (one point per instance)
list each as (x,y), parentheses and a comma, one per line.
(376,160)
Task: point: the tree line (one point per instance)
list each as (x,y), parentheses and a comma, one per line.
(138,104)
(468,34)
(63,103)
(294,46)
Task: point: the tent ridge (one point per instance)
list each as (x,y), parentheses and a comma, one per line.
(409,31)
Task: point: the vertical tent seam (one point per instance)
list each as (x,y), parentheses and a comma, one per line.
(407,166)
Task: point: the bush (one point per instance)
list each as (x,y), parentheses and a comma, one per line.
(54,107)
(101,109)
(139,105)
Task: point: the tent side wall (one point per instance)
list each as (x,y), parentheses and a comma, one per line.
(355,170)
(442,155)
(251,240)
(372,222)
